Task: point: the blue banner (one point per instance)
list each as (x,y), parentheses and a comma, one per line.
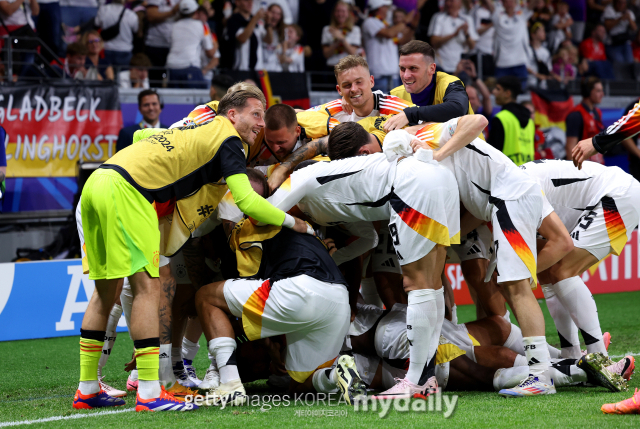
(44,299)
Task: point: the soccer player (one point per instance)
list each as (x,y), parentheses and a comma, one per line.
(493,189)
(419,199)
(601,207)
(157,170)
(288,285)
(624,128)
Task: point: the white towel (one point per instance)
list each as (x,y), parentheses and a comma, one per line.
(397,144)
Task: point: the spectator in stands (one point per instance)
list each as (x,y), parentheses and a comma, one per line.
(138,74)
(592,50)
(484,46)
(291,52)
(74,66)
(220,84)
(150,107)
(245,34)
(382,52)
(161,14)
(75,13)
(284,5)
(3,163)
(313,16)
(595,9)
(561,24)
(539,66)
(452,34)
(512,130)
(50,27)
(16,14)
(208,64)
(563,70)
(118,50)
(542,13)
(620,23)
(273,38)
(585,120)
(479,94)
(512,41)
(95,59)
(342,37)
(188,36)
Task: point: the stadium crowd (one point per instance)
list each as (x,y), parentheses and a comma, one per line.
(544,43)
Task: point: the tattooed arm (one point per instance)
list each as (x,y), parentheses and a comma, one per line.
(308,151)
(199,272)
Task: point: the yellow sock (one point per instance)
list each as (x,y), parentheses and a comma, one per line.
(148,363)
(90,352)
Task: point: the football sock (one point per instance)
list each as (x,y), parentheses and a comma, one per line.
(514,340)
(224,351)
(167,379)
(134,374)
(454,314)
(520,361)
(507,378)
(553,352)
(147,363)
(126,301)
(507,316)
(213,360)
(537,354)
(567,330)
(425,314)
(324,381)
(567,375)
(109,336)
(577,299)
(91,343)
(189,349)
(369,292)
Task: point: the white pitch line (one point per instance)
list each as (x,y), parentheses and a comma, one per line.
(56,418)
(627,354)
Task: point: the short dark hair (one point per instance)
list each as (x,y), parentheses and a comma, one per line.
(280,116)
(346,139)
(76,48)
(238,99)
(256,176)
(587,86)
(510,83)
(418,47)
(140,60)
(146,93)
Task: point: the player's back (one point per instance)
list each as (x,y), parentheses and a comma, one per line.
(570,191)
(481,170)
(342,191)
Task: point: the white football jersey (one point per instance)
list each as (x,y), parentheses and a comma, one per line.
(383,104)
(481,170)
(571,191)
(342,191)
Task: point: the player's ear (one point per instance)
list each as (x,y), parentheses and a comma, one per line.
(372,81)
(338,89)
(298,131)
(364,150)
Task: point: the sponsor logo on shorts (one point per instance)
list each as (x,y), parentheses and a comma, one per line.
(156,258)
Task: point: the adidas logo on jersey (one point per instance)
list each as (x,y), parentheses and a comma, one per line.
(533,361)
(388,263)
(163,356)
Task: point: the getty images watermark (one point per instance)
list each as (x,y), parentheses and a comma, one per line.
(434,403)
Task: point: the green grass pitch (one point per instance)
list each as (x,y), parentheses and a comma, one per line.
(39,377)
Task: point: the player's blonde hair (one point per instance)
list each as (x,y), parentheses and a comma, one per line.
(349,62)
(239,86)
(238,99)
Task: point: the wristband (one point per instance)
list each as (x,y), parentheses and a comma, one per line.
(289,221)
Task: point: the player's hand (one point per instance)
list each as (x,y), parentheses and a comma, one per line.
(346,107)
(418,144)
(583,151)
(396,122)
(131,365)
(260,14)
(278,176)
(303,227)
(331,246)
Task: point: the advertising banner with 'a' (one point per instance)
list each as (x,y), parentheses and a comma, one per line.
(44,299)
(49,129)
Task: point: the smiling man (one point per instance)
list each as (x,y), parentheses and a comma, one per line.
(438,96)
